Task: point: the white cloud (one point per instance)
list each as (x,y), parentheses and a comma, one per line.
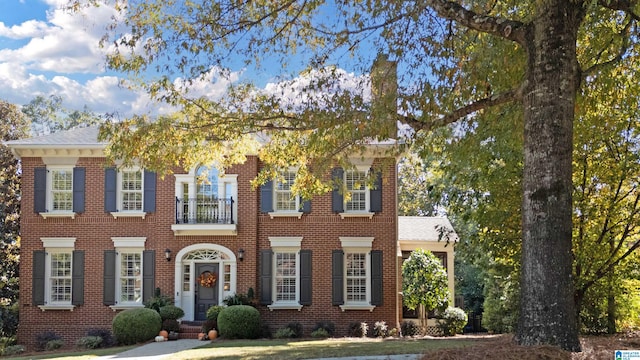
(28,29)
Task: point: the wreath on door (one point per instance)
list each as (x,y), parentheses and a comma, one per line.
(207,279)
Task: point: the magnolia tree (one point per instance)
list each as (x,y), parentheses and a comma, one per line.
(424,282)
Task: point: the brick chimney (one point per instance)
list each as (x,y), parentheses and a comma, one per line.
(384,96)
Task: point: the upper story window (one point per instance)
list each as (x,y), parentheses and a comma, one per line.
(59,191)
(129,192)
(207,183)
(58,275)
(278,199)
(355,198)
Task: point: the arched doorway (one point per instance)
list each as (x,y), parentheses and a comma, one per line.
(205,274)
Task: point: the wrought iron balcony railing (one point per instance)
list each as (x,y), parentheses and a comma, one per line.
(204,211)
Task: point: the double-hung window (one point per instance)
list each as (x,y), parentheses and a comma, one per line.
(284,200)
(357,274)
(129,273)
(58,275)
(285,274)
(277,197)
(356,277)
(129,192)
(358,194)
(355,194)
(130,284)
(59,190)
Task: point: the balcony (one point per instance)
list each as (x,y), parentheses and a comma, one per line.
(208,216)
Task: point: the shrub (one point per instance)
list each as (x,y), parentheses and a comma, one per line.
(9,315)
(213,311)
(320,333)
(136,325)
(209,325)
(265,331)
(171,325)
(358,329)
(380,329)
(54,344)
(43,338)
(239,322)
(297,329)
(89,342)
(284,333)
(327,326)
(452,321)
(410,328)
(237,299)
(13,350)
(171,312)
(157,301)
(105,334)
(393,332)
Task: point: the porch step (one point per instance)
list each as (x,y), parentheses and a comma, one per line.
(189,331)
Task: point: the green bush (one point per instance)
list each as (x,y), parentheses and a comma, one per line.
(136,325)
(9,319)
(452,321)
(171,312)
(327,326)
(284,333)
(239,322)
(54,344)
(237,299)
(297,329)
(320,333)
(410,328)
(380,329)
(105,334)
(157,301)
(44,338)
(358,329)
(89,342)
(171,325)
(214,311)
(13,350)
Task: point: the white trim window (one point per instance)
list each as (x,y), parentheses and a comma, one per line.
(284,199)
(286,272)
(61,189)
(55,275)
(129,290)
(130,190)
(59,270)
(357,199)
(356,277)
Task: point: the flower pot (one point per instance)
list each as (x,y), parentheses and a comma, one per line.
(164,334)
(213,334)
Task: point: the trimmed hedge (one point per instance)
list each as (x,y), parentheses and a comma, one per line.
(136,325)
(171,312)
(239,322)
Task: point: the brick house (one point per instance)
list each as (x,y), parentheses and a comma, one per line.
(97,239)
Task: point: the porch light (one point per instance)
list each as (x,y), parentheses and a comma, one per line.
(241,254)
(167,254)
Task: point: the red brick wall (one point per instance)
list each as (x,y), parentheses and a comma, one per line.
(94,229)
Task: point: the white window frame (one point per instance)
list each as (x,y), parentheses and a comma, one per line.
(357,245)
(288,245)
(49,195)
(57,246)
(361,168)
(294,200)
(121,191)
(127,245)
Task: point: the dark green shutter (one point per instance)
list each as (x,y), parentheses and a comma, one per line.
(149,194)
(77,278)
(337,200)
(266,273)
(305,277)
(109,278)
(37,286)
(337,277)
(148,274)
(376,277)
(110,189)
(78,189)
(40,190)
(266,197)
(375,194)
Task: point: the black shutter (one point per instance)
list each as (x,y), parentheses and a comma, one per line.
(77,278)
(40,190)
(305,277)
(266,273)
(337,200)
(337,277)
(306,206)
(78,189)
(149,193)
(148,274)
(37,286)
(266,197)
(109,278)
(110,189)
(376,277)
(375,195)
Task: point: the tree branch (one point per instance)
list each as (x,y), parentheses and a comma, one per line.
(626,34)
(508,29)
(509,96)
(620,5)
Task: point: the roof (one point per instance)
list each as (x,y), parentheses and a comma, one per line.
(425,228)
(78,136)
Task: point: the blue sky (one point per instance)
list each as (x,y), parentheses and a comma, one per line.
(45,50)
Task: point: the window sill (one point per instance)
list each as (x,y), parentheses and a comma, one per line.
(284,307)
(57,307)
(357,307)
(125,307)
(275,214)
(58,214)
(366,214)
(124,214)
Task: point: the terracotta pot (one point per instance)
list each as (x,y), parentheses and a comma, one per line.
(213,334)
(164,334)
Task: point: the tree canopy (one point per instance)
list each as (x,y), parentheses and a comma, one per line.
(459,62)
(424,282)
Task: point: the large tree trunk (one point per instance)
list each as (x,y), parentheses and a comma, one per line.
(547,308)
